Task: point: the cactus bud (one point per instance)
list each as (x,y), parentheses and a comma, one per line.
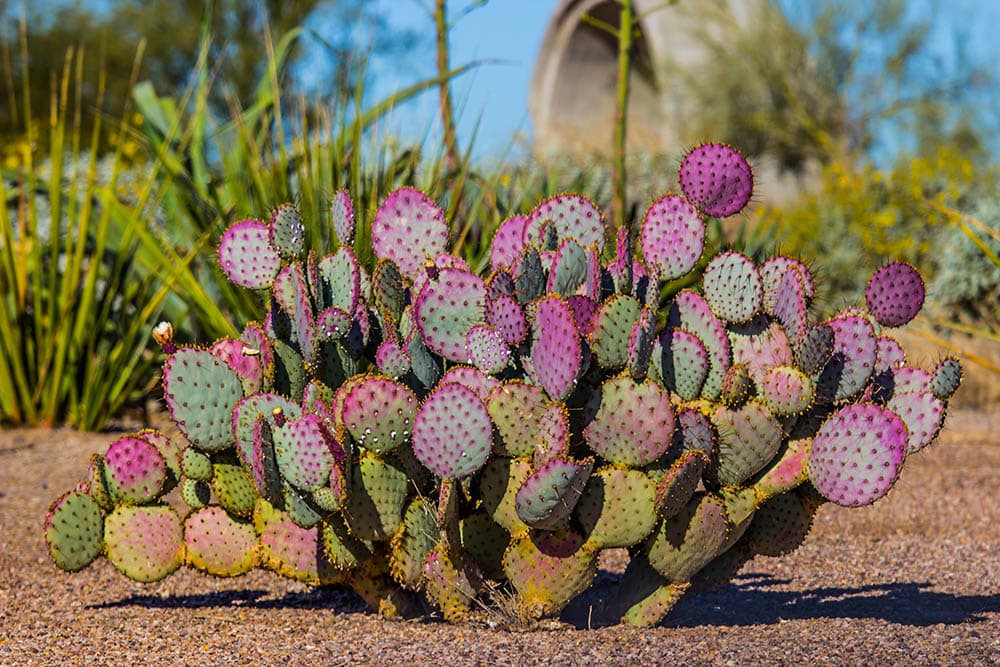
(163,334)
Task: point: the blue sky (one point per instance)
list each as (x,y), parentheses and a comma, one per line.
(495,95)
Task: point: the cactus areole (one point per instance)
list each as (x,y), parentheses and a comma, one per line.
(414,430)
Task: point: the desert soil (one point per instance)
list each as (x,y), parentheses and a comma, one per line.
(912,580)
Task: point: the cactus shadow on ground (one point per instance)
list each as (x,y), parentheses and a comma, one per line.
(336,598)
(752,599)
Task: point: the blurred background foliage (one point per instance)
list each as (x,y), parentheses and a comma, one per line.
(134,132)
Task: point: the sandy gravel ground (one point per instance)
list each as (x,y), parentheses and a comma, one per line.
(913,580)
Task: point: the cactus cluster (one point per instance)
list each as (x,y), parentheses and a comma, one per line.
(416,430)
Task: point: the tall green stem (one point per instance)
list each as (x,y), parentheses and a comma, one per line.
(452,155)
(618,175)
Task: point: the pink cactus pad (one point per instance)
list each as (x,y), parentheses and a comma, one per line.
(243,360)
(790,304)
(584,309)
(134,470)
(895,294)
(572,217)
(733,287)
(555,347)
(717,179)
(504,313)
(378,413)
(473,378)
(857,454)
(487,350)
(447,308)
(342,216)
(774,269)
(452,433)
(673,236)
(246,255)
(632,424)
(692,312)
(145,543)
(305,452)
(409,229)
(508,242)
(923,415)
(891,355)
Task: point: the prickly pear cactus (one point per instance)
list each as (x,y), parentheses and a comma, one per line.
(412,427)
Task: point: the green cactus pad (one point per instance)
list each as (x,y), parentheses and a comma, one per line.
(219,544)
(299,507)
(196,465)
(946,379)
(548,569)
(673,236)
(376,499)
(741,505)
(388,289)
(749,437)
(255,448)
(691,312)
(305,451)
(683,363)
(780,525)
(499,483)
(517,410)
(857,454)
(98,485)
(569,269)
(688,541)
(555,347)
(788,472)
(815,351)
(292,293)
(612,326)
(553,435)
(342,550)
(340,281)
(134,471)
(786,390)
(547,497)
(529,276)
(676,488)
(287,231)
(736,386)
(632,423)
(342,216)
(640,344)
(485,540)
(378,413)
(452,432)
(616,508)
(733,287)
(201,391)
(409,229)
(415,538)
(233,488)
(74,531)
(246,255)
(447,308)
(144,543)
(290,550)
(170,449)
(290,374)
(644,596)
(570,217)
(452,582)
(195,494)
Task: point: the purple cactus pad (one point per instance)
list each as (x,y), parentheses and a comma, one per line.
(447,308)
(409,229)
(857,454)
(504,313)
(555,347)
(246,255)
(452,433)
(717,179)
(895,294)
(572,217)
(673,236)
(134,471)
(508,242)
